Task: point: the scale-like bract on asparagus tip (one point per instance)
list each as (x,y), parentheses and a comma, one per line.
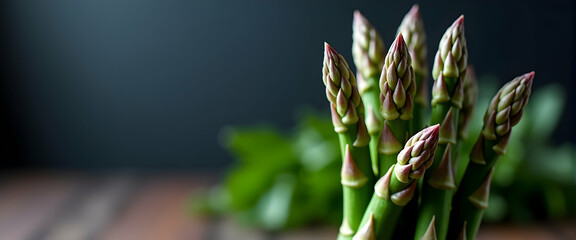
(480,197)
(462,235)
(363,137)
(477,154)
(408,112)
(373,125)
(366,232)
(443,176)
(440,91)
(339,126)
(430,233)
(388,143)
(448,129)
(500,147)
(345,228)
(382,186)
(450,66)
(351,176)
(403,197)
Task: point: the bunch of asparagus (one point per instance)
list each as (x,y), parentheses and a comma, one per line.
(399,176)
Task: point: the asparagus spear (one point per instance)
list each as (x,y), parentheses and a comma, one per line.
(347,109)
(504,111)
(447,96)
(397,87)
(412,28)
(396,188)
(470,86)
(368,51)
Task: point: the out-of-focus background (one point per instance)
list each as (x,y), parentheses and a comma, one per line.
(124,101)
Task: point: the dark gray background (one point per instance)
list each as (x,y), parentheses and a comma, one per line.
(142,83)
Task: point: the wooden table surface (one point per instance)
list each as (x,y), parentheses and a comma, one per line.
(60,205)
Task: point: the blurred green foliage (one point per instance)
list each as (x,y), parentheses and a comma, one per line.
(284,180)
(281,180)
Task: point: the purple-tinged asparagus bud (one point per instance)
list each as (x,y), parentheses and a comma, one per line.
(368,48)
(450,62)
(397,84)
(412,28)
(341,90)
(417,155)
(430,233)
(505,110)
(452,56)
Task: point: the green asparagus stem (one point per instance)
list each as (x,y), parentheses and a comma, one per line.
(396,188)
(470,86)
(502,114)
(397,87)
(412,28)
(347,111)
(356,193)
(447,96)
(368,51)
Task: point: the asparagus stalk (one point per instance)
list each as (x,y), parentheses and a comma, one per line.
(412,28)
(396,188)
(368,51)
(447,96)
(347,109)
(505,111)
(397,87)
(470,86)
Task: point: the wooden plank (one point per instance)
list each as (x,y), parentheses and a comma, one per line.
(158,211)
(28,201)
(91,209)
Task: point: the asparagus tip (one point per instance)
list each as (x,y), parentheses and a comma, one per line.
(357,15)
(328,48)
(529,76)
(460,20)
(415,10)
